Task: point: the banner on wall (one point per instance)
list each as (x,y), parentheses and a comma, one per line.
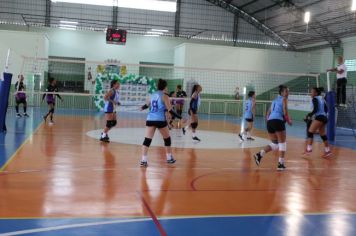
(299,102)
(134,89)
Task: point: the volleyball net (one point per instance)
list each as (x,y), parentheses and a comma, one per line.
(83,84)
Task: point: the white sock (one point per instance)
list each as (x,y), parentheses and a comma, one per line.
(103,135)
(281,160)
(194,135)
(144,158)
(262,152)
(169,156)
(327,149)
(309,148)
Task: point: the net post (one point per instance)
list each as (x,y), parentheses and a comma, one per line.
(330,99)
(4,94)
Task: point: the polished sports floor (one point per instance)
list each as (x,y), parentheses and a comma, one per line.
(60,180)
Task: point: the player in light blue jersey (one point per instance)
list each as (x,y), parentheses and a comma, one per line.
(160,111)
(319,122)
(277,115)
(111,99)
(249,115)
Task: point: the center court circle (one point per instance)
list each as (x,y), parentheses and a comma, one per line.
(210,139)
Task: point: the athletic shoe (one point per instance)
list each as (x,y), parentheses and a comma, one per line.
(327,154)
(258,158)
(18,115)
(241,138)
(183,130)
(196,139)
(281,166)
(250,138)
(26,115)
(105,139)
(307,153)
(171,161)
(143,164)
(51,122)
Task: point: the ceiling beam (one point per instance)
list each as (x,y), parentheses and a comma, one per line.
(253,21)
(304,6)
(248,3)
(235,30)
(177,19)
(318,28)
(48,13)
(265,8)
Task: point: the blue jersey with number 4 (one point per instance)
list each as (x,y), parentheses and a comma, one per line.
(157,107)
(248,109)
(277,109)
(321,105)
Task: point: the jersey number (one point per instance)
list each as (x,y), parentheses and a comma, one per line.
(154,106)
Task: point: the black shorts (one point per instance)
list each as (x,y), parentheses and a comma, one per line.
(20,100)
(275,125)
(322,119)
(249,119)
(157,124)
(192,111)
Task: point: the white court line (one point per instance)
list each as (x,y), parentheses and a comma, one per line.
(72,226)
(54,228)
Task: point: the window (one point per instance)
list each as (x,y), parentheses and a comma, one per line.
(350,65)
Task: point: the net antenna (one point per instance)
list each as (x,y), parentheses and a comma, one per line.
(244,91)
(6,68)
(328,81)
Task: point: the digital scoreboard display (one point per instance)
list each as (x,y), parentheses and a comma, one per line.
(116,36)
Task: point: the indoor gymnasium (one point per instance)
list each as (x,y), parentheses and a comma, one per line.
(178,117)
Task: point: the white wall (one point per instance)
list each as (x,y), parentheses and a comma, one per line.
(22,44)
(92,46)
(349,45)
(238,58)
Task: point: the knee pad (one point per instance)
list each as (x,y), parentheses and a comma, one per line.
(310,135)
(114,123)
(167,142)
(324,138)
(147,142)
(110,124)
(194,125)
(274,145)
(51,110)
(180,112)
(282,147)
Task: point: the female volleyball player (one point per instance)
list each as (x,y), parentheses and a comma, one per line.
(20,96)
(277,115)
(177,99)
(160,111)
(250,110)
(51,98)
(318,123)
(193,110)
(111,100)
(180,94)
